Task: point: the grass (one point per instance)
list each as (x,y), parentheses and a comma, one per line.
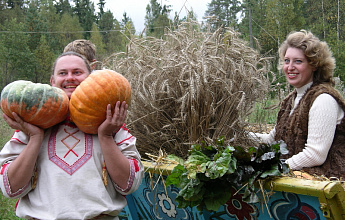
(265,112)
(6,205)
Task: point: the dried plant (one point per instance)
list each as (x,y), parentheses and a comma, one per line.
(193,86)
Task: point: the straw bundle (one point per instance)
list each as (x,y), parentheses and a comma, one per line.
(193,86)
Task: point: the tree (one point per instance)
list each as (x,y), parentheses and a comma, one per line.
(85,10)
(115,39)
(52,18)
(16,59)
(252,22)
(156,19)
(100,4)
(127,25)
(96,38)
(15,3)
(191,15)
(105,24)
(35,25)
(223,13)
(11,9)
(63,6)
(44,61)
(111,29)
(69,29)
(282,17)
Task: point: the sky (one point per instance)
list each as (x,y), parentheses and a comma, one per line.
(136,9)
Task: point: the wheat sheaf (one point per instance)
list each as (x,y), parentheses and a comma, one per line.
(191,86)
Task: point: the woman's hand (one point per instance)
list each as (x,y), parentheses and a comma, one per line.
(18,124)
(113,123)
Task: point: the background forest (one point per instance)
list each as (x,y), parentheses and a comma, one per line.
(34,32)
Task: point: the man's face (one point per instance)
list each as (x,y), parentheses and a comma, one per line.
(69,72)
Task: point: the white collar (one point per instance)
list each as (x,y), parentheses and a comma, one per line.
(303,89)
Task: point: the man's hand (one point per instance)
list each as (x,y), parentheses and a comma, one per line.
(113,122)
(18,124)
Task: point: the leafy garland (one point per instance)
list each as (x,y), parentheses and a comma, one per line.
(205,179)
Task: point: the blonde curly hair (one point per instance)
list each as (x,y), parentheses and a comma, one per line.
(316,51)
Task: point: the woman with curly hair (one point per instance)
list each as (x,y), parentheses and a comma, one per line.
(311,118)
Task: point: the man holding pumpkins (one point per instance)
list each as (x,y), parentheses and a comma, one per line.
(64,173)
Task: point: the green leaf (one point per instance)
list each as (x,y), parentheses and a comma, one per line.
(220,141)
(232,166)
(218,199)
(205,177)
(218,168)
(196,163)
(250,196)
(274,171)
(268,156)
(175,158)
(284,167)
(192,190)
(241,154)
(175,176)
(283,148)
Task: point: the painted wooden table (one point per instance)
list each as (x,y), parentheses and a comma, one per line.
(291,199)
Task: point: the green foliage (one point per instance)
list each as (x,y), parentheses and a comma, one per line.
(223,13)
(97,39)
(63,6)
(6,205)
(205,179)
(85,11)
(44,60)
(115,39)
(110,29)
(22,24)
(5,132)
(7,208)
(69,29)
(265,112)
(16,59)
(282,18)
(157,19)
(101,4)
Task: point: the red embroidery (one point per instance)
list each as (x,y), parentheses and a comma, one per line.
(130,181)
(69,168)
(124,127)
(70,149)
(19,141)
(15,207)
(136,166)
(124,140)
(3,168)
(7,184)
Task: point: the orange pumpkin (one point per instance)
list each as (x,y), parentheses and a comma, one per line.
(88,103)
(38,104)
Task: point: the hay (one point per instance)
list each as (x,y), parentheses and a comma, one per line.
(193,86)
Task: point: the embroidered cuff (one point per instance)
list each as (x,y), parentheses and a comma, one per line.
(7,183)
(130,181)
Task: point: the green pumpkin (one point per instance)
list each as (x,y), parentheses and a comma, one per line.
(38,104)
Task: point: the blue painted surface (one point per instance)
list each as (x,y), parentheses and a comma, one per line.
(152,202)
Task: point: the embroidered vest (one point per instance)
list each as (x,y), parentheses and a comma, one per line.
(293,129)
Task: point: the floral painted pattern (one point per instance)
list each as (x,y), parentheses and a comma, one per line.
(239,209)
(162,205)
(168,207)
(153,202)
(291,207)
